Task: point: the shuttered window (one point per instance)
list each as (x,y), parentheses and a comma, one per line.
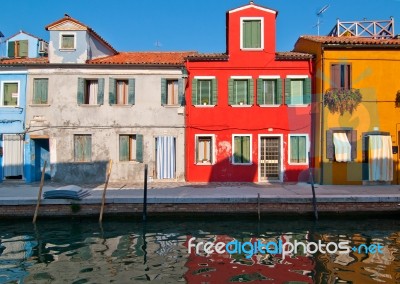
(341,76)
(298,149)
(241,91)
(121,91)
(82,148)
(18,48)
(241,149)
(40,90)
(330,146)
(269,91)
(131,147)
(172,92)
(251,33)
(204,92)
(90,91)
(10,94)
(297,91)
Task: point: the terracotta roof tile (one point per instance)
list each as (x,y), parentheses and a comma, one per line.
(208,57)
(144,58)
(291,55)
(24,61)
(351,40)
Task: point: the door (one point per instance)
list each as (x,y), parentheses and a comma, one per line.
(270,158)
(378,158)
(42,153)
(12,156)
(165,157)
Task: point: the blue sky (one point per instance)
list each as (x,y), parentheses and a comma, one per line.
(136,25)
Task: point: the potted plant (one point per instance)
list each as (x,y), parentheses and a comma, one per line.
(341,100)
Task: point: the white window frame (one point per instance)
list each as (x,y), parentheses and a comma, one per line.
(307,149)
(242,19)
(298,77)
(2,92)
(270,77)
(61,40)
(213,157)
(205,78)
(233,149)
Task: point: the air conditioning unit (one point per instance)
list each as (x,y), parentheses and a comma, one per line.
(43,47)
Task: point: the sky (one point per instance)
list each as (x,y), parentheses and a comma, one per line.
(183,25)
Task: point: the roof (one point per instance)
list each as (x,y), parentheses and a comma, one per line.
(24,32)
(291,55)
(354,41)
(252,5)
(24,61)
(69,18)
(145,58)
(208,57)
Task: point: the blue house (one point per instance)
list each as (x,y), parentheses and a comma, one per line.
(13,85)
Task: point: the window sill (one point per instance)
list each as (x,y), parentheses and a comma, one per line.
(298,164)
(203,164)
(204,106)
(121,105)
(172,106)
(241,105)
(39,105)
(252,49)
(10,107)
(67,49)
(129,162)
(87,105)
(299,105)
(244,164)
(269,106)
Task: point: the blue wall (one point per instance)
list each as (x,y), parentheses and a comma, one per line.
(33,44)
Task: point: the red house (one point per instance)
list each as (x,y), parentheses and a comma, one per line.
(248,113)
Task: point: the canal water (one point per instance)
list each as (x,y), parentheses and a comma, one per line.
(126,250)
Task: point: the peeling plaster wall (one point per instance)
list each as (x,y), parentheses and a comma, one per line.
(63,118)
(97,49)
(77,55)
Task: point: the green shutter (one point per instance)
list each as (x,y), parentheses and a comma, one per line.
(40,91)
(112,99)
(260,91)
(329,145)
(131,91)
(181,92)
(139,148)
(11,49)
(100,92)
(251,92)
(163,91)
(81,91)
(194,92)
(252,34)
(302,149)
(45,90)
(87,148)
(278,91)
(23,48)
(246,155)
(288,91)
(307,91)
(124,147)
(294,149)
(231,100)
(214,92)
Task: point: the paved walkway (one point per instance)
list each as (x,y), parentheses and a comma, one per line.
(15,193)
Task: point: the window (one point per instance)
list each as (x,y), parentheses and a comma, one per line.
(131,147)
(297,91)
(298,149)
(252,33)
(341,144)
(204,91)
(340,76)
(240,91)
(241,149)
(90,91)
(122,91)
(171,92)
(40,91)
(18,48)
(269,91)
(67,41)
(204,149)
(83,148)
(10,94)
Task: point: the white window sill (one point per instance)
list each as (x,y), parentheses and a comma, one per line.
(252,49)
(241,105)
(121,105)
(270,106)
(88,105)
(298,164)
(203,164)
(205,106)
(39,105)
(172,106)
(67,49)
(10,107)
(298,105)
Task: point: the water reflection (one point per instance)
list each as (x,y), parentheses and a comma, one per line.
(79,251)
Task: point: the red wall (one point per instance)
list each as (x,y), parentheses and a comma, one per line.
(224,120)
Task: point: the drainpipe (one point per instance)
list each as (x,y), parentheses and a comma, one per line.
(321,157)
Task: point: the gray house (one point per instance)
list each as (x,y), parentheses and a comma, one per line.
(89,104)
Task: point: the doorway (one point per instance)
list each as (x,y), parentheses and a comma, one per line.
(270,156)
(13,156)
(165,157)
(41,153)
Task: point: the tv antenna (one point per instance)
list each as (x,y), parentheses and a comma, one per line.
(319,15)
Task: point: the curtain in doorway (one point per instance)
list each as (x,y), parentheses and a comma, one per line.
(13,155)
(166,160)
(380,158)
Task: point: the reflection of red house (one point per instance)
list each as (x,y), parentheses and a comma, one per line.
(223,268)
(248,110)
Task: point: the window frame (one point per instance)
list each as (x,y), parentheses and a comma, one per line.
(330,147)
(244,19)
(61,48)
(126,89)
(2,92)
(212,149)
(34,93)
(130,152)
(233,149)
(277,79)
(304,78)
(250,91)
(210,79)
(175,96)
(349,77)
(290,147)
(87,93)
(91,147)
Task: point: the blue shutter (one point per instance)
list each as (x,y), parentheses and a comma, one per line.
(163,91)
(131,91)
(112,99)
(100,91)
(139,148)
(11,49)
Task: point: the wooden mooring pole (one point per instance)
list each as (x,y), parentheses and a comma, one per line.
(314,200)
(103,201)
(40,193)
(145,194)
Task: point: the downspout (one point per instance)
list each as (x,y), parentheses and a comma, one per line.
(321,161)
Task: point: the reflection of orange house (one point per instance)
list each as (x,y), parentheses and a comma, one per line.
(365,57)
(224,268)
(248,110)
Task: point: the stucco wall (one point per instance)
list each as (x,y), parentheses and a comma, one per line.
(77,55)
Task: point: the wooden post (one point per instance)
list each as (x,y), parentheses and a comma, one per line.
(40,193)
(145,194)
(314,199)
(104,191)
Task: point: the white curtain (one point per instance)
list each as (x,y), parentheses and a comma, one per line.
(342,147)
(380,158)
(166,159)
(13,155)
